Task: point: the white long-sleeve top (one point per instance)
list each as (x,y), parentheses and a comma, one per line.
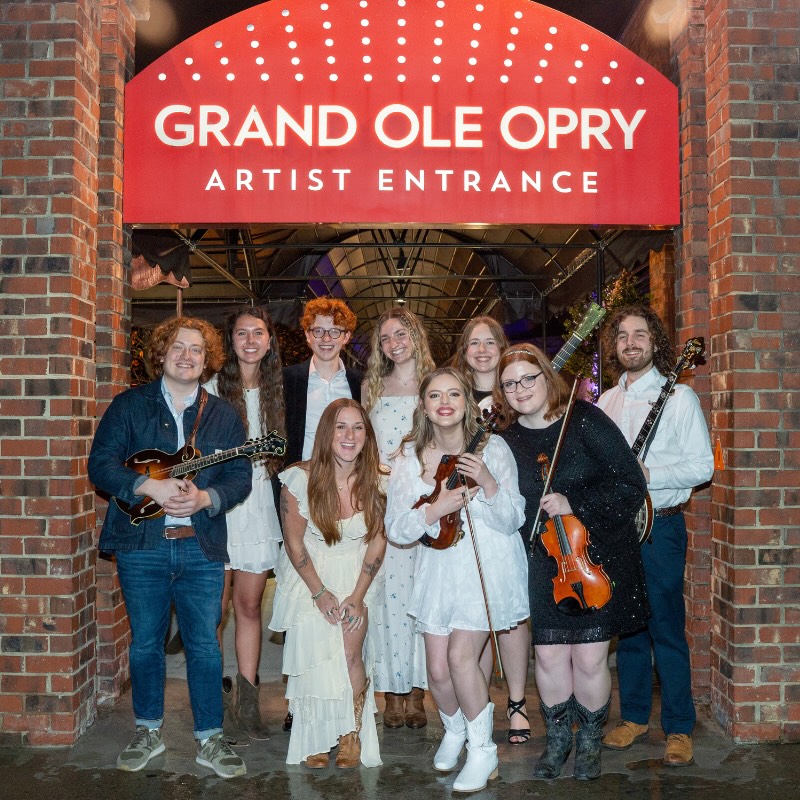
(679,457)
(447,591)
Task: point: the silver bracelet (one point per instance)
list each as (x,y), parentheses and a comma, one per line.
(315,597)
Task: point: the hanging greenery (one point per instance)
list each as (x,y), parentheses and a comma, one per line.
(584,362)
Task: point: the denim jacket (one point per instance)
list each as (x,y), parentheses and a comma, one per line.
(139,419)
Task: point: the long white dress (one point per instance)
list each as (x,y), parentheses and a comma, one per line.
(401,658)
(447,590)
(318,688)
(254,532)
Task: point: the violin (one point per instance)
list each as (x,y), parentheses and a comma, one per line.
(581,586)
(450,530)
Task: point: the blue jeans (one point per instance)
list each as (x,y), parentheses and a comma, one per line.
(151,580)
(664,564)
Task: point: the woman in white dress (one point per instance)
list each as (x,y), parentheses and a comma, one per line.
(448,601)
(477,355)
(400,358)
(251,380)
(328,591)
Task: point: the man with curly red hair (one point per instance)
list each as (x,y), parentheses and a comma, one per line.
(179,556)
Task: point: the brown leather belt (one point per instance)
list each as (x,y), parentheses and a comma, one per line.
(670,511)
(179,532)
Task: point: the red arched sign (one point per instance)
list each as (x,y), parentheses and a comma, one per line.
(401,111)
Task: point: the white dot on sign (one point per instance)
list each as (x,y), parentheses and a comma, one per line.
(543,63)
(437,42)
(260,60)
(295,61)
(324,7)
(578,64)
(474,43)
(401,40)
(538,79)
(552,29)
(585,47)
(606,80)
(504,79)
(548,46)
(299,76)
(511,46)
(435,78)
(364,23)
(368,77)
(329,43)
(514,30)
(479,7)
(264,76)
(293,45)
(285,12)
(507,62)
(518,14)
(440,4)
(476,26)
(401,23)
(640,81)
(470,78)
(473,61)
(401,59)
(401,78)
(254,44)
(401,3)
(230,76)
(223,60)
(217,44)
(363,3)
(188,61)
(331,59)
(333,76)
(367,59)
(572,79)
(289,29)
(437,59)
(195,76)
(326,25)
(440,23)
(613,64)
(365,40)
(251,27)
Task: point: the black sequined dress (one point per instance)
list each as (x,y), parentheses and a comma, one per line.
(599,475)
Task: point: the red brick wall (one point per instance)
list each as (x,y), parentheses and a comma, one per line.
(51,268)
(752,77)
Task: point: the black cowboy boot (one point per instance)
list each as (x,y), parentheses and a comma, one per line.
(588,741)
(558,720)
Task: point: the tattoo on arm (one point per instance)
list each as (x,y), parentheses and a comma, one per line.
(372,569)
(304,560)
(284,507)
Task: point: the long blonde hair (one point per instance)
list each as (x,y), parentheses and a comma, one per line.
(366,494)
(379,365)
(421,435)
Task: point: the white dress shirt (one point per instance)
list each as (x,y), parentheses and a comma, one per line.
(321,394)
(680,456)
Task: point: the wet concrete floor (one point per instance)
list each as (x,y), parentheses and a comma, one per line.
(86,771)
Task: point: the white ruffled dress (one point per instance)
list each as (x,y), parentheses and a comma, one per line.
(447,590)
(401,660)
(318,689)
(254,532)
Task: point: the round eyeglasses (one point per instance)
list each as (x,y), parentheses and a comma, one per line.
(526,382)
(333,333)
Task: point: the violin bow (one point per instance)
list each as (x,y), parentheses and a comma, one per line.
(556,453)
(493,633)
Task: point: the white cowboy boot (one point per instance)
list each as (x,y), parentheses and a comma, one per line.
(481,763)
(455,734)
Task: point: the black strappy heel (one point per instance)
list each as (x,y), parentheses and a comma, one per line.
(515,707)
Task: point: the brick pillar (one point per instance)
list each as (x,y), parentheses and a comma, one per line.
(752,77)
(691,309)
(662,285)
(113,314)
(50,99)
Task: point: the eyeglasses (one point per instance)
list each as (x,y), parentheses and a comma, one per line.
(526,382)
(333,333)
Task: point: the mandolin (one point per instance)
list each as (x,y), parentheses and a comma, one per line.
(691,352)
(186,463)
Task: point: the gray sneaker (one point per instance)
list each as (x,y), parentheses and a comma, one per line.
(146,744)
(216,754)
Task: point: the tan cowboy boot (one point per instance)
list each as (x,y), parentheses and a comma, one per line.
(349,755)
(415,709)
(318,761)
(393,713)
